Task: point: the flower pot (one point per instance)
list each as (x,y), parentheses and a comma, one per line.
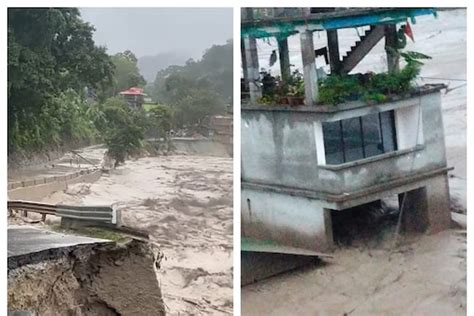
(295,101)
(284,100)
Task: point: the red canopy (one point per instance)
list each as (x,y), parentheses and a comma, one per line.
(133,91)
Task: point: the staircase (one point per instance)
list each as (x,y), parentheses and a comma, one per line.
(358,51)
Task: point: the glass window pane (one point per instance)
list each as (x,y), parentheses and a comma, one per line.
(351,131)
(372,135)
(333,143)
(388,131)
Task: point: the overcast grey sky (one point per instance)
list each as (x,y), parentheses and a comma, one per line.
(149,31)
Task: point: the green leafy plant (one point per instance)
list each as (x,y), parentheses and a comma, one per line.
(295,85)
(336,89)
(373,87)
(267,99)
(274,89)
(376,97)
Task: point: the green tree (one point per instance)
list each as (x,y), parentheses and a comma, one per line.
(160,121)
(50,53)
(196,107)
(124,129)
(215,69)
(126,73)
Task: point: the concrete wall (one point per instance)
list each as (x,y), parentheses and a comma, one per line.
(283,147)
(37,189)
(223,128)
(288,220)
(201,147)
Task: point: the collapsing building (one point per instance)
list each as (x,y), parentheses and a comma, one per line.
(300,164)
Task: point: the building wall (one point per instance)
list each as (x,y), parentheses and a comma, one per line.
(287,220)
(283,147)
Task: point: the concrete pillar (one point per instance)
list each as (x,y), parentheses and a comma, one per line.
(427,209)
(415,210)
(244,63)
(284,58)
(309,67)
(439,212)
(393,57)
(251,58)
(251,69)
(306,12)
(333,49)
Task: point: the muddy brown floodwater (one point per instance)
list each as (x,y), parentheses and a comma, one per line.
(185,203)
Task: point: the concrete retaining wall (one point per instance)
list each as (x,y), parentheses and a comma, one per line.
(37,189)
(201,147)
(223,128)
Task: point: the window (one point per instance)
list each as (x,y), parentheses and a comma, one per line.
(359,137)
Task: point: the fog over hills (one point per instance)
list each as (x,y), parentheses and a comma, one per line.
(151,64)
(159,37)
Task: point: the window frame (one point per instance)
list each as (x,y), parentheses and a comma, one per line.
(342,142)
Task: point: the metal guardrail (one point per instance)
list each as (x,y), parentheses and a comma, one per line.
(90,213)
(104,214)
(95,216)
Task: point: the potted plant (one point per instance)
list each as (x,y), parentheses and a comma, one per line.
(294,90)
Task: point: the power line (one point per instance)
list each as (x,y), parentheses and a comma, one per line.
(450,79)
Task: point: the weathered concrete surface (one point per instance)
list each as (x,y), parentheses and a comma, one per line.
(51,167)
(257,266)
(36,192)
(201,147)
(287,220)
(281,148)
(223,127)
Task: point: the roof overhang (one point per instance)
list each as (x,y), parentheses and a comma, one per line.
(281,27)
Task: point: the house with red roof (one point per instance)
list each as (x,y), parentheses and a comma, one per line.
(134,97)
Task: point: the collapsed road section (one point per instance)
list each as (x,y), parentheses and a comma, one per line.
(56,274)
(182,202)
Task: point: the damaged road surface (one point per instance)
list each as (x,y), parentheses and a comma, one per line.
(56,274)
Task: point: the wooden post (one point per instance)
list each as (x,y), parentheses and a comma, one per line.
(393,57)
(284,58)
(309,67)
(333,48)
